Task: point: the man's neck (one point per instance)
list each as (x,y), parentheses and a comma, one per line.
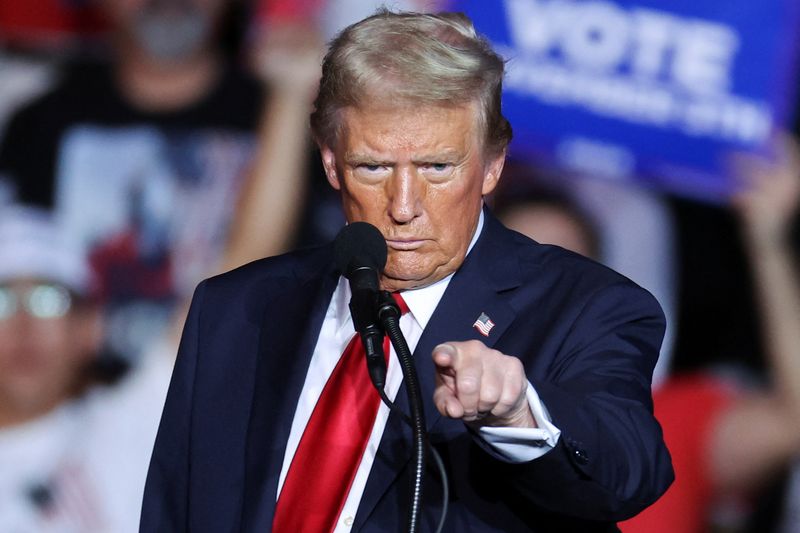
(155,86)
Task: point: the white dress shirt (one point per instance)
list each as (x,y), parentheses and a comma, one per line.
(508,444)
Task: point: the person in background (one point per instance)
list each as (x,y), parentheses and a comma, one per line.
(73,450)
(144,159)
(744,435)
(550,218)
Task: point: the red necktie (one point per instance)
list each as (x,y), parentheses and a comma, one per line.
(330,450)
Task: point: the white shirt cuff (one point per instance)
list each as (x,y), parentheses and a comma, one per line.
(520,445)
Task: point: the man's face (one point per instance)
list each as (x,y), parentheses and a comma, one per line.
(39,355)
(167,30)
(418,174)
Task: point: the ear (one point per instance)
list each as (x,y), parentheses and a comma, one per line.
(329,164)
(491,174)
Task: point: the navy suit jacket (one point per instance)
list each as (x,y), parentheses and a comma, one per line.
(588,339)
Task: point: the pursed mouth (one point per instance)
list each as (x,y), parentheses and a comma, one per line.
(404,244)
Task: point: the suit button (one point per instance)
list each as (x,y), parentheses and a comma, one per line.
(580,456)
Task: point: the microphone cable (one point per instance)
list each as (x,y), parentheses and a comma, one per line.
(389,316)
(433,453)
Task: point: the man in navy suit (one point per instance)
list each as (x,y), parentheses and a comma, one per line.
(535,363)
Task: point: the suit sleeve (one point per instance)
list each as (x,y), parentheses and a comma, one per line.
(166,495)
(611,461)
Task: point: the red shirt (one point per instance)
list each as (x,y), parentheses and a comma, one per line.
(688,408)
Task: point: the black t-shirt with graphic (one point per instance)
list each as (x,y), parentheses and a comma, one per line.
(149,195)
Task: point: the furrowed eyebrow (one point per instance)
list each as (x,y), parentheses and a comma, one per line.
(448,156)
(363,159)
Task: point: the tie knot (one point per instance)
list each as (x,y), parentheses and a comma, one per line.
(398,299)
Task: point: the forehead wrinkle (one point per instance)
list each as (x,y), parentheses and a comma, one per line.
(364,147)
(408,134)
(446,155)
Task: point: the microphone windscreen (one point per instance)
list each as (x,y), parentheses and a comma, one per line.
(358,245)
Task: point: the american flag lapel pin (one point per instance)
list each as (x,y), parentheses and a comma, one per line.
(484,324)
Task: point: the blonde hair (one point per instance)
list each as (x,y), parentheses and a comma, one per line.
(412,59)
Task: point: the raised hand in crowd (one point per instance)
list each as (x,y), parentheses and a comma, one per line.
(287,58)
(763,432)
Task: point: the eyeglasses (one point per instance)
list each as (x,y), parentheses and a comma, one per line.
(42,300)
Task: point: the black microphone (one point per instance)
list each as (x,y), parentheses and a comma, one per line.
(360,252)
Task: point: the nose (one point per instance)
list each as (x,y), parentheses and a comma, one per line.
(405,196)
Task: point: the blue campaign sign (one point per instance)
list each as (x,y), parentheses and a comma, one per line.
(660,92)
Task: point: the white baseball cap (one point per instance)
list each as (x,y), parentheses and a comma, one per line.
(33,246)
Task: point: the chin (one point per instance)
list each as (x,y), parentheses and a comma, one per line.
(405,272)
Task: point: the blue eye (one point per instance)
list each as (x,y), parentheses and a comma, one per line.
(437,167)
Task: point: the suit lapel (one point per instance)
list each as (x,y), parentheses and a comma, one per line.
(489,270)
(289,332)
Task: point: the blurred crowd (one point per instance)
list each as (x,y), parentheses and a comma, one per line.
(148,144)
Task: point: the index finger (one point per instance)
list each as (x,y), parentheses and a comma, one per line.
(445,355)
